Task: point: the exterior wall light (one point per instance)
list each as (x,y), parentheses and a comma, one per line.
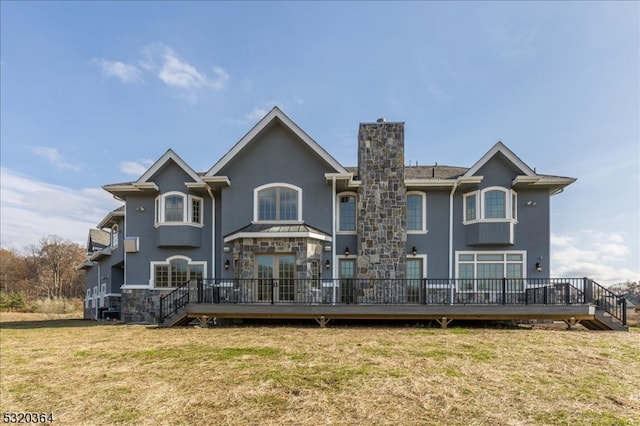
(414,251)
(327,264)
(226,264)
(538,267)
(346,251)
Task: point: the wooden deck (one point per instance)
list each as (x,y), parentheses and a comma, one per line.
(574,301)
(442,314)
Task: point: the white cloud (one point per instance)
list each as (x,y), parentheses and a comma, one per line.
(32,209)
(175,72)
(135,168)
(594,254)
(163,62)
(123,72)
(53,156)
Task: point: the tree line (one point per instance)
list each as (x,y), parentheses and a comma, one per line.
(46,270)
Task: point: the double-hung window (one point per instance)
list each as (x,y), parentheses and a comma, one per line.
(277,202)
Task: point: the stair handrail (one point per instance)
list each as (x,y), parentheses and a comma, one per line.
(171,302)
(605,300)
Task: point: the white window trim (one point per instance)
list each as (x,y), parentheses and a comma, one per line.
(464,206)
(505,253)
(187,210)
(256,204)
(339,196)
(510,197)
(114,237)
(422,257)
(167,262)
(424,213)
(193,198)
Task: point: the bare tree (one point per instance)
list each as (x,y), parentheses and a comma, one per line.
(58,261)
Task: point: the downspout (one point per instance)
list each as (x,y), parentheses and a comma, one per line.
(451,264)
(333,238)
(95,296)
(213,232)
(124,252)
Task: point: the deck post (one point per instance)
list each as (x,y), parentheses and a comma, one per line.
(444,322)
(451,284)
(588,290)
(273,290)
(200,290)
(323,321)
(571,323)
(504,291)
(624,311)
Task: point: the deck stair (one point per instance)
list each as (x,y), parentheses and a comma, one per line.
(604,321)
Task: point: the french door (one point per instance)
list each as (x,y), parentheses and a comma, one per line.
(275,276)
(347,275)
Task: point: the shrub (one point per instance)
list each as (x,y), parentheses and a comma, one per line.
(13,301)
(59,306)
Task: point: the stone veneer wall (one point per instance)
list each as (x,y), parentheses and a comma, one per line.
(141,305)
(305,250)
(110,302)
(381,220)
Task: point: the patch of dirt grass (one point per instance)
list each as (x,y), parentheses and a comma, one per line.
(90,373)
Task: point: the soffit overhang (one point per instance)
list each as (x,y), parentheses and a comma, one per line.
(555,184)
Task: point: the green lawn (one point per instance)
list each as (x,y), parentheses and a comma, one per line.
(87,373)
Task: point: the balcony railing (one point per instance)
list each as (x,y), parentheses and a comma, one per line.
(504,291)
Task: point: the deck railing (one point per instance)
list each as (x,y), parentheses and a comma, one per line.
(504,291)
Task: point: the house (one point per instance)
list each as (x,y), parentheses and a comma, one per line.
(278,224)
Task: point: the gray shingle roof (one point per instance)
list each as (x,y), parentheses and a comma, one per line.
(427,172)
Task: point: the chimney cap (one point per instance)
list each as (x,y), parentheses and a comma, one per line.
(381,120)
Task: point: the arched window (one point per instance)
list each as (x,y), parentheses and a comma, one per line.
(492,204)
(277,202)
(347,212)
(114,236)
(416,212)
(176,271)
(178,208)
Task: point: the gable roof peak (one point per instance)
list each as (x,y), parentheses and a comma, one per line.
(501,148)
(275,114)
(167,156)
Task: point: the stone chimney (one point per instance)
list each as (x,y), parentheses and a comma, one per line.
(381,211)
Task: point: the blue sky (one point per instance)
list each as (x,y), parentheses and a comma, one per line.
(93,92)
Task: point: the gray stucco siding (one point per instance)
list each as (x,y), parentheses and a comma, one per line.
(435,242)
(157,243)
(497,171)
(530,232)
(275,156)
